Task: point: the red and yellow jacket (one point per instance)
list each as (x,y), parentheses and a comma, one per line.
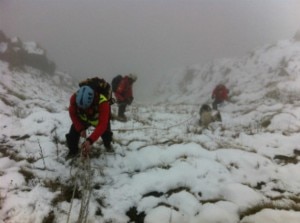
(98,115)
(124,90)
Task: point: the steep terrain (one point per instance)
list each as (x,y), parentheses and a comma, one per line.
(165,168)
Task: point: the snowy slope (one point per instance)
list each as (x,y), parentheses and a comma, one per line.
(165,168)
(273,68)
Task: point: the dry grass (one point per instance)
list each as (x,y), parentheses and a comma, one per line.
(28,175)
(49,218)
(286,159)
(66,194)
(269,205)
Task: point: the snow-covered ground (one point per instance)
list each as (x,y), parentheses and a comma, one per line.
(165,168)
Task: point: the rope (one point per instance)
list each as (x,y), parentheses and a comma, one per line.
(70,209)
(179,123)
(87,175)
(84,208)
(151,127)
(84,174)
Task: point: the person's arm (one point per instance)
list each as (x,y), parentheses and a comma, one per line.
(213,95)
(103,120)
(73,114)
(130,94)
(121,90)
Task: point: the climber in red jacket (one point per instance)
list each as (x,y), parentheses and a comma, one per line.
(124,94)
(88,108)
(219,94)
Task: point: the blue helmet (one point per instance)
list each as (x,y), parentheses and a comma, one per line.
(84,97)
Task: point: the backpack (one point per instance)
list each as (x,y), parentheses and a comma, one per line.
(115,82)
(99,85)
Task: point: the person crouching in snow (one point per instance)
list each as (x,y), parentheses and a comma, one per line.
(88,108)
(124,95)
(207,115)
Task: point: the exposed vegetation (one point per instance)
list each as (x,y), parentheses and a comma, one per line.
(18,57)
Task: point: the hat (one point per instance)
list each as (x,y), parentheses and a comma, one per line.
(132,77)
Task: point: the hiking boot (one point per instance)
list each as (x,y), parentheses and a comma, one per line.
(109,149)
(122,118)
(71,155)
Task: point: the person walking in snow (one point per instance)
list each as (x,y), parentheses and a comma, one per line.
(89,108)
(219,94)
(124,95)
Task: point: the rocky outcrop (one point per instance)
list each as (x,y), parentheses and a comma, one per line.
(20,54)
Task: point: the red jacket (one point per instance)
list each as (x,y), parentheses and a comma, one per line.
(124,90)
(98,114)
(220,93)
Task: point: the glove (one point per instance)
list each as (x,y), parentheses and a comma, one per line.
(83,134)
(112,101)
(85,148)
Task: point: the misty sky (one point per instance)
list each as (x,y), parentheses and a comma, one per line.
(148,37)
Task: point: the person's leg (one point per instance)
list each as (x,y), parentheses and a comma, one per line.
(215,105)
(107,139)
(218,117)
(122,108)
(72,139)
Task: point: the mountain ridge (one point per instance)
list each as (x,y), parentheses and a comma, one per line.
(270,65)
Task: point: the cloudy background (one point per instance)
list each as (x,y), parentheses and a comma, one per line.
(148,37)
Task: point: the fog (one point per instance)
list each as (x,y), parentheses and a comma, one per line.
(148,37)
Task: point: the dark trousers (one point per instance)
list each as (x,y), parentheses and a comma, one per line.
(73,139)
(122,109)
(215,104)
